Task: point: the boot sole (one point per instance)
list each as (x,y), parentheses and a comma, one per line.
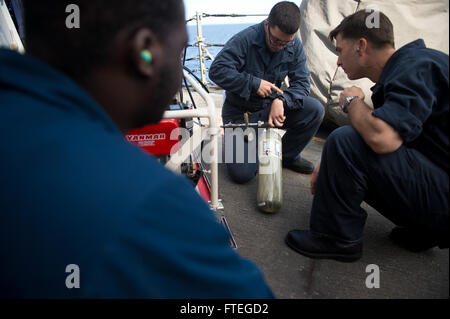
(338,257)
(304,172)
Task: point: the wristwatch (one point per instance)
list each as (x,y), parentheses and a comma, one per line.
(347,102)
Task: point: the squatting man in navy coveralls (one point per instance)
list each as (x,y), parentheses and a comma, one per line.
(251,68)
(394,157)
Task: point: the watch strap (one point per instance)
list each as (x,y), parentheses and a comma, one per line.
(347,102)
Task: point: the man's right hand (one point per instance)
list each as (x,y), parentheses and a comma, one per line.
(265,89)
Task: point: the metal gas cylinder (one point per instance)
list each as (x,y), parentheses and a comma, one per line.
(270,193)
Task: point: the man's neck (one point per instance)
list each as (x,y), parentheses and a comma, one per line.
(98,86)
(380,58)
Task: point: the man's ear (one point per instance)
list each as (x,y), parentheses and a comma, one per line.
(362,46)
(146,53)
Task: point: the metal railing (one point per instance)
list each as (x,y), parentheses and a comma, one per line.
(203,53)
(213,131)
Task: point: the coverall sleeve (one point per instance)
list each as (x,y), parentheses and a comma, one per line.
(227,70)
(299,80)
(408,102)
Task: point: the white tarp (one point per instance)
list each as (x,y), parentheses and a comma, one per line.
(412,19)
(9,37)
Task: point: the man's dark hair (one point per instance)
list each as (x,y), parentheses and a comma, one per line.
(285,15)
(77,51)
(358,25)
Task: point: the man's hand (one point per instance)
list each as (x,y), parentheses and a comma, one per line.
(352,91)
(265,89)
(314,176)
(276,116)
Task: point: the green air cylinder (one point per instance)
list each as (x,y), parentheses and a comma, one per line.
(270,193)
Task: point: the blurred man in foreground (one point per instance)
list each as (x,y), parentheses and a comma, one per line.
(75,197)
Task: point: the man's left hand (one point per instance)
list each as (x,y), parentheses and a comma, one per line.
(276,116)
(352,91)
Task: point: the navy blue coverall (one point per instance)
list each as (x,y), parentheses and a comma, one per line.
(239,68)
(409,186)
(74,191)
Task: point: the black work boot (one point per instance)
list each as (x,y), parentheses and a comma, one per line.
(320,247)
(300,165)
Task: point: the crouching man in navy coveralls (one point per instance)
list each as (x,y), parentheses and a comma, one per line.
(251,67)
(394,157)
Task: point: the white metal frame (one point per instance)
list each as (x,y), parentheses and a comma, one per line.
(199,134)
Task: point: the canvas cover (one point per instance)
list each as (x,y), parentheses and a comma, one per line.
(9,37)
(412,19)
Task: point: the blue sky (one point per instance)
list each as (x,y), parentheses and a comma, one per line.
(230,6)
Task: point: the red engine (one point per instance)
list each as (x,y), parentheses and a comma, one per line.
(156,139)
